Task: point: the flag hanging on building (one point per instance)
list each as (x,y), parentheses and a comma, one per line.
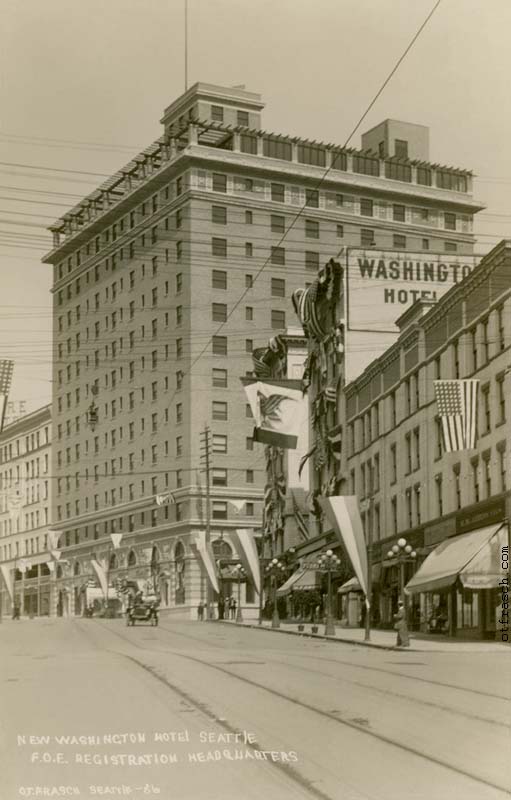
(205,552)
(100,571)
(116,539)
(8,576)
(300,519)
(6,370)
(457,407)
(279,410)
(335,442)
(164,499)
(244,542)
(344,515)
(53,539)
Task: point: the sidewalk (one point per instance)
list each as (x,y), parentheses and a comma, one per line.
(383,640)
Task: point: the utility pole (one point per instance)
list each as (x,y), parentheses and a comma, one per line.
(186,44)
(370,522)
(206,459)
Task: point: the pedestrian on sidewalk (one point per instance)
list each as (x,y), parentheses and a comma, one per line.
(403,640)
(221,607)
(16,612)
(232,606)
(200,611)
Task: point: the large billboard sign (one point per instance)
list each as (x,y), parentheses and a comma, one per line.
(382,284)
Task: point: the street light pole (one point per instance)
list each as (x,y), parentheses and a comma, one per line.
(328,562)
(239,573)
(402,552)
(274,568)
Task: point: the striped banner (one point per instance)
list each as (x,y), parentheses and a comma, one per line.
(244,541)
(457,407)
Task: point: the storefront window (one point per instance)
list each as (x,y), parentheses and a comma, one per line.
(467,609)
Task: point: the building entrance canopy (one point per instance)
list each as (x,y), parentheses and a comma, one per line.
(303,578)
(474,557)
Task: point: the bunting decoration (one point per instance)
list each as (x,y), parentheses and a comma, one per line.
(53,539)
(164,499)
(8,576)
(238,504)
(300,519)
(344,515)
(206,555)
(457,407)
(305,458)
(244,542)
(101,575)
(6,370)
(261,368)
(278,410)
(116,540)
(335,442)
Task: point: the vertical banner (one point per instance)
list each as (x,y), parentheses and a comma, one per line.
(244,541)
(344,515)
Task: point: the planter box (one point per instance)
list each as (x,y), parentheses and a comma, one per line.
(301,627)
(315,629)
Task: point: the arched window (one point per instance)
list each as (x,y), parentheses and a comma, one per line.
(132,558)
(221,549)
(77,568)
(112,564)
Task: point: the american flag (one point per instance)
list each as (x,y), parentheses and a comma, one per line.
(6,369)
(457,407)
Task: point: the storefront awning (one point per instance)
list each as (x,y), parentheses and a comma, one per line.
(303,578)
(350,586)
(474,557)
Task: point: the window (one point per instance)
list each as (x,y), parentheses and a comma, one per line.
(399,241)
(501,399)
(408,448)
(179,348)
(311,229)
(219,182)
(425,244)
(249,443)
(393,463)
(249,345)
(249,250)
(312,198)
(367,237)
(179,315)
(485,341)
(278,255)
(450,247)
(366,207)
(500,329)
(278,192)
(278,287)
(486,408)
(501,449)
(487,474)
(179,380)
(179,445)
(278,319)
(219,509)
(179,413)
(400,148)
(311,259)
(219,279)
(398,213)
(417,448)
(473,340)
(179,282)
(219,378)
(278,223)
(217,113)
(249,313)
(475,479)
(393,410)
(417,493)
(438,438)
(409,508)
(249,217)
(456,358)
(439,495)
(219,312)
(450,221)
(393,509)
(219,345)
(219,215)
(219,247)
(219,410)
(340,231)
(219,477)
(242,118)
(219,443)
(249,477)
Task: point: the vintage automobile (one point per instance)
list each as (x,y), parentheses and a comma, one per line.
(143,608)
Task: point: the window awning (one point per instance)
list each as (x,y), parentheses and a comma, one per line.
(303,578)
(474,557)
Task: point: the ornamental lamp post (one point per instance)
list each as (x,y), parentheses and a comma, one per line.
(274,568)
(240,573)
(402,553)
(328,562)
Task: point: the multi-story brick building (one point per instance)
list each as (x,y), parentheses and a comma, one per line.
(394,453)
(25,496)
(165,279)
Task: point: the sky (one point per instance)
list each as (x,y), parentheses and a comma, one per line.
(83,87)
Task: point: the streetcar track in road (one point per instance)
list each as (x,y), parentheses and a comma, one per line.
(289,771)
(372,669)
(389,692)
(349,723)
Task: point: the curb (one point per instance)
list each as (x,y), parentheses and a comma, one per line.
(318,636)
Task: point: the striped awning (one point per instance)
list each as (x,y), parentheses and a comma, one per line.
(303,578)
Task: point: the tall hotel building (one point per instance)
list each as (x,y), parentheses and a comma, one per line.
(160,297)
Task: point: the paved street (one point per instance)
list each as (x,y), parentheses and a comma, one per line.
(209,712)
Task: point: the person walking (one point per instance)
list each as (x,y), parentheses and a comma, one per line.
(200,611)
(403,640)
(232,606)
(221,607)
